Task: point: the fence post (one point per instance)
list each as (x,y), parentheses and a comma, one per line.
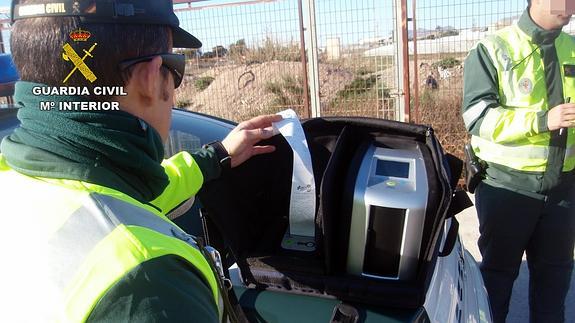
(402,54)
(313,60)
(303,59)
(415,65)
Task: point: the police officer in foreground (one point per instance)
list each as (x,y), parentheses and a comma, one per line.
(84,194)
(518,83)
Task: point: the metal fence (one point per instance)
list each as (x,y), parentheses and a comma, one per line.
(251,61)
(265,56)
(393,59)
(446,31)
(352,81)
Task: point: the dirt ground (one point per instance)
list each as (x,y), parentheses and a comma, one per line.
(239,91)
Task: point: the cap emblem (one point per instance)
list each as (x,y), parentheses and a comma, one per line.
(80,35)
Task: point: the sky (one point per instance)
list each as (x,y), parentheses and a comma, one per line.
(349,21)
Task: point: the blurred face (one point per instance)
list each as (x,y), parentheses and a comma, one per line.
(560,7)
(552,14)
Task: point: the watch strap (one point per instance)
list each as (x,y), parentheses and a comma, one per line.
(222,155)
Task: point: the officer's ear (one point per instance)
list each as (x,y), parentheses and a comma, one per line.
(146,80)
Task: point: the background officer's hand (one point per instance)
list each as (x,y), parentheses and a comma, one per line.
(240,142)
(561,116)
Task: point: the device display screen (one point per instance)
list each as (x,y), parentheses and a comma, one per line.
(392,168)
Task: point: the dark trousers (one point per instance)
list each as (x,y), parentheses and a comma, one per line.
(511,223)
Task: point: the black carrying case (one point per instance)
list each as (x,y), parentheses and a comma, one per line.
(248,212)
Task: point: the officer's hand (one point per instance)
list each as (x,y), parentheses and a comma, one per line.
(561,116)
(240,142)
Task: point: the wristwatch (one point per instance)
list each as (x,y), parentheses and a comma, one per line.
(222,154)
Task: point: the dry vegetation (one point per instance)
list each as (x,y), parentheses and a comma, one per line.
(238,92)
(441,108)
(243,81)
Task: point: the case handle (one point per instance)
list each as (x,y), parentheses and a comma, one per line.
(344,313)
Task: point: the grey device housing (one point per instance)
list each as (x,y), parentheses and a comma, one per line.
(388,214)
(255,221)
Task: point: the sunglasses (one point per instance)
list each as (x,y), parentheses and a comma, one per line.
(175,63)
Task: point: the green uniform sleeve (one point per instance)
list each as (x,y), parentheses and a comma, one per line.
(164,289)
(483,114)
(186,173)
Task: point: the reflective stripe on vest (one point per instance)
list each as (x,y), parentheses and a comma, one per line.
(65,246)
(110,237)
(474,112)
(522,93)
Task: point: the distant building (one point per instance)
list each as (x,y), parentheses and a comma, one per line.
(372,41)
(502,23)
(333,48)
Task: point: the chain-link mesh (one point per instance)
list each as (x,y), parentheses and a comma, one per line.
(355,78)
(250,62)
(446,31)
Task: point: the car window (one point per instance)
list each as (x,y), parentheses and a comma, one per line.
(191,131)
(181,140)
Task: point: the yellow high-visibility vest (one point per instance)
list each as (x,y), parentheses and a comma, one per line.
(522,93)
(66,243)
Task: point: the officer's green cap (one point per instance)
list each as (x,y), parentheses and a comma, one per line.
(145,12)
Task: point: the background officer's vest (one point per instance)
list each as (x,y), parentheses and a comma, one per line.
(69,242)
(522,88)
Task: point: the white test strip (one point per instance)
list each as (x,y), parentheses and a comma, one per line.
(302,200)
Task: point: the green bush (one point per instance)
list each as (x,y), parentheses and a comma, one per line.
(271,50)
(288,91)
(363,70)
(447,62)
(360,86)
(274,88)
(182,104)
(427,98)
(238,49)
(450,32)
(203,82)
